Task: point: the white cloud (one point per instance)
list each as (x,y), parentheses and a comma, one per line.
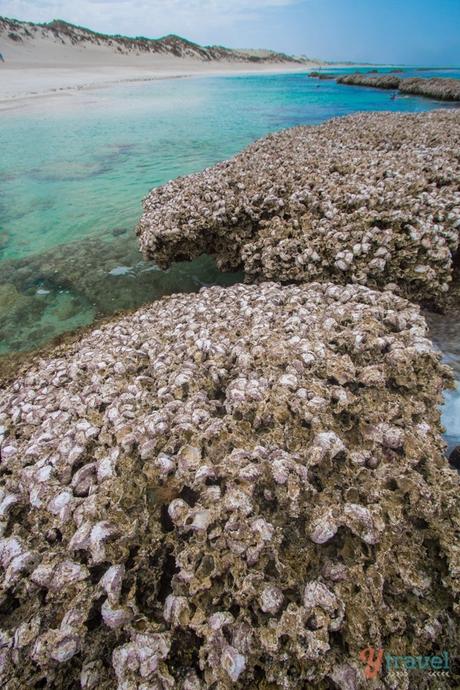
(199,19)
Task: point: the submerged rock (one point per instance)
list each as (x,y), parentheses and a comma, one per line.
(240,488)
(47,294)
(371,199)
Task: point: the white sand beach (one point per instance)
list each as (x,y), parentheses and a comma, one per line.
(39,79)
(45,65)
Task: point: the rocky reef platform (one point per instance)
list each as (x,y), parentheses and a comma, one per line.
(323,76)
(382,81)
(245,487)
(440,88)
(371,199)
(241,488)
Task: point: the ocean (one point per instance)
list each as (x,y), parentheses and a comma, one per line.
(75,168)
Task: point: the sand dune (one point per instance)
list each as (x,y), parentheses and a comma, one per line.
(43,60)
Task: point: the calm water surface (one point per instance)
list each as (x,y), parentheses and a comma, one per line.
(74,170)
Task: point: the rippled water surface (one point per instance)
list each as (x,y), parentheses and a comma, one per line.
(74,170)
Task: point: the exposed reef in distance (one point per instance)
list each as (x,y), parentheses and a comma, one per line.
(372,199)
(241,488)
(382,81)
(321,75)
(440,88)
(436,87)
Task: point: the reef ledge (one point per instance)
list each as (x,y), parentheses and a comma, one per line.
(372,199)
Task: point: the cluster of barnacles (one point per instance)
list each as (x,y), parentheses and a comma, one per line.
(371,199)
(230,489)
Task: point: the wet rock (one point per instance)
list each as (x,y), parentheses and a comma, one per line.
(371,199)
(454,458)
(218,491)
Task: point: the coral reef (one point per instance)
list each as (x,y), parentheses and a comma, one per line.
(371,199)
(239,488)
(441,88)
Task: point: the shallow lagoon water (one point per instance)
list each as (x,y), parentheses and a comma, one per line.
(74,169)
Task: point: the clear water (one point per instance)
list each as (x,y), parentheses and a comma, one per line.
(74,170)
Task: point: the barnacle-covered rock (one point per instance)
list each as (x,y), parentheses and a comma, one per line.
(372,199)
(237,489)
(380,81)
(441,88)
(444,89)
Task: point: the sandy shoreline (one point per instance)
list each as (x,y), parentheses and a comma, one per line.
(21,84)
(41,61)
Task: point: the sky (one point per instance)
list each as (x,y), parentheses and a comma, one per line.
(419,32)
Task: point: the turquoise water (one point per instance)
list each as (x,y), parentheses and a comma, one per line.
(74,169)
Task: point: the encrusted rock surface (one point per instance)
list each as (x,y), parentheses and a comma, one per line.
(441,88)
(436,87)
(240,488)
(382,81)
(372,199)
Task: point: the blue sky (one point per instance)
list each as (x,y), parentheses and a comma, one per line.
(397,31)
